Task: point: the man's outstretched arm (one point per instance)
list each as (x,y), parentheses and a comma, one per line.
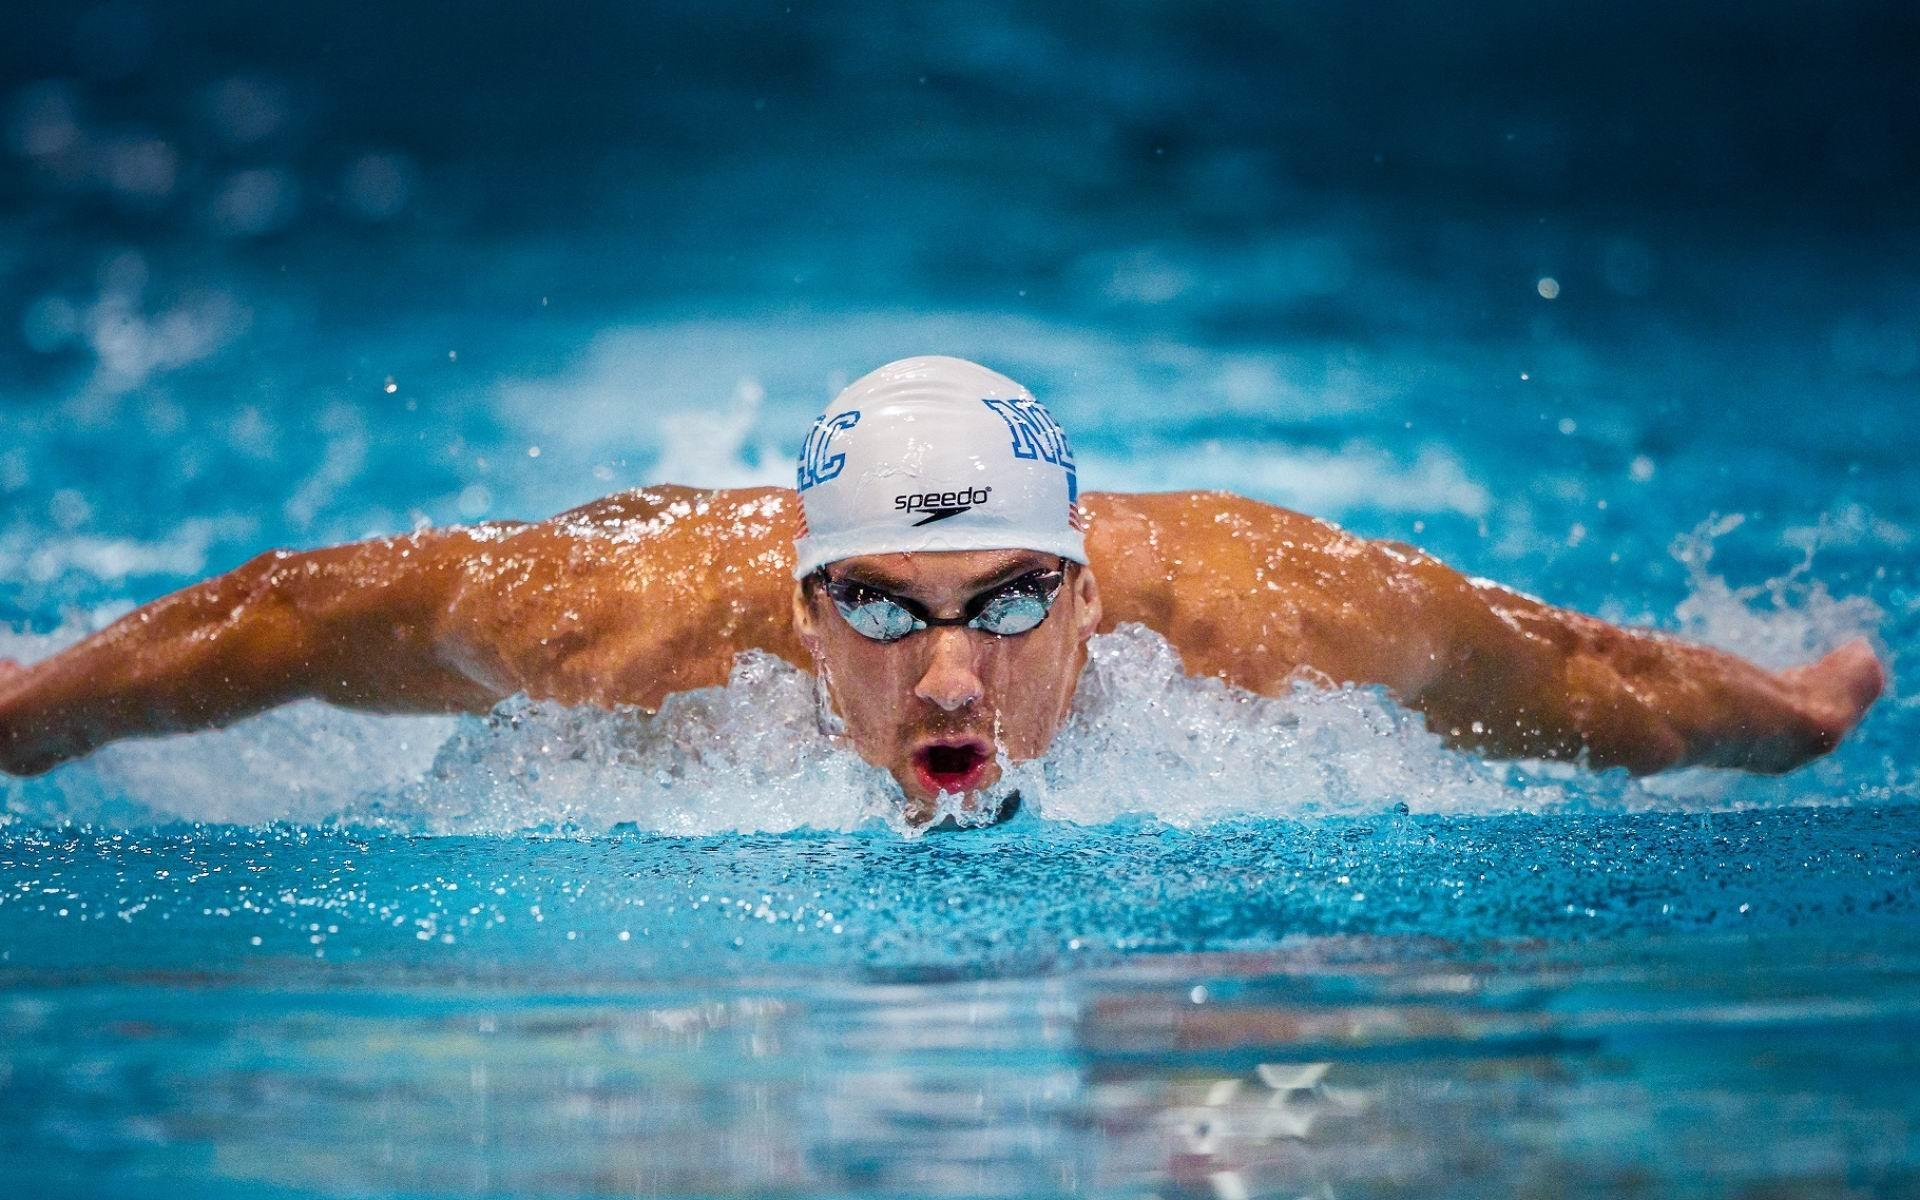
(622,601)
(357,625)
(1260,596)
(1524,679)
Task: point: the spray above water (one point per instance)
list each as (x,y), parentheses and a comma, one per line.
(1144,740)
(764,754)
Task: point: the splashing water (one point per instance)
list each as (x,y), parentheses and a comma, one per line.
(1799,621)
(1144,739)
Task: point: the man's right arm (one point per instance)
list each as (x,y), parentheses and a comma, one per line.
(622,601)
(360,625)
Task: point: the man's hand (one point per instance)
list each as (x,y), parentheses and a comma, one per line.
(1836,691)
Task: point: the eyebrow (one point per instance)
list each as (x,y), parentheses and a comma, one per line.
(1006,572)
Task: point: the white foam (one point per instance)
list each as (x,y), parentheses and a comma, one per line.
(1786,620)
(1144,739)
(745,757)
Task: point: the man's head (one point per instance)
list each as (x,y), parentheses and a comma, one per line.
(942,586)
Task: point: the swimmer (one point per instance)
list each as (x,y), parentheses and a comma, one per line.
(939,572)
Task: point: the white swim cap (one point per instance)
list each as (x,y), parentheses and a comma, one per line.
(935,454)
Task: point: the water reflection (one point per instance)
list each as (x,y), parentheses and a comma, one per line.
(1332,1069)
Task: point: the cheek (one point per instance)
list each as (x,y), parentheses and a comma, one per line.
(870,682)
(1026,681)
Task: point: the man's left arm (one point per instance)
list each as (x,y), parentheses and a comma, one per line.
(1520,678)
(1260,596)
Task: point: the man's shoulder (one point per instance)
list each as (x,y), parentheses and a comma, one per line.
(1130,517)
(688,531)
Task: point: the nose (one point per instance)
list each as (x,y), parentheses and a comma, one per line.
(950,680)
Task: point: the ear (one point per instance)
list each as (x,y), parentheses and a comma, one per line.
(804,624)
(1087,591)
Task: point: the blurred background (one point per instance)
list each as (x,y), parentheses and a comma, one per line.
(1544,289)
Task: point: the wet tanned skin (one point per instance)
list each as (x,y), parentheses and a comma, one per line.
(654,591)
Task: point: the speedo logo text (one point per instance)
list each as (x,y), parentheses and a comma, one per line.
(940,505)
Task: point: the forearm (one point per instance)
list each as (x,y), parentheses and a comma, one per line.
(1525,679)
(167,666)
(339,624)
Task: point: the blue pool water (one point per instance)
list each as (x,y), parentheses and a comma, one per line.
(1626,322)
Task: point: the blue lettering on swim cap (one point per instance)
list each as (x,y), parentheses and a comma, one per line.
(1037,435)
(815,466)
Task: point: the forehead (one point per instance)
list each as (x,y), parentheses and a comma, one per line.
(940,570)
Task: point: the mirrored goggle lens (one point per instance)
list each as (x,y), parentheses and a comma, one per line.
(1013,613)
(881,620)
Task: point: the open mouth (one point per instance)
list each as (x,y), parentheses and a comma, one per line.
(954,766)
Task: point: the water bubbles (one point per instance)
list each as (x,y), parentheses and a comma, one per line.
(13,470)
(377,187)
(1145,277)
(474,501)
(140,169)
(1641,469)
(69,510)
(45,121)
(245,111)
(255,202)
(50,324)
(1548,287)
(131,344)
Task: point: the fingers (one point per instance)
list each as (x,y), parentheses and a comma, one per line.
(1859,670)
(1834,692)
(1849,679)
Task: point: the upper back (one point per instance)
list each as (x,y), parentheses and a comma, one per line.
(656,590)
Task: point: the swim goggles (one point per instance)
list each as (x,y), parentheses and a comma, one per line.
(1014,607)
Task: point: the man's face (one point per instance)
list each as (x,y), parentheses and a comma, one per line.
(934,707)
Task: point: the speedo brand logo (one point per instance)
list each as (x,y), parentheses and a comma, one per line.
(940,505)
